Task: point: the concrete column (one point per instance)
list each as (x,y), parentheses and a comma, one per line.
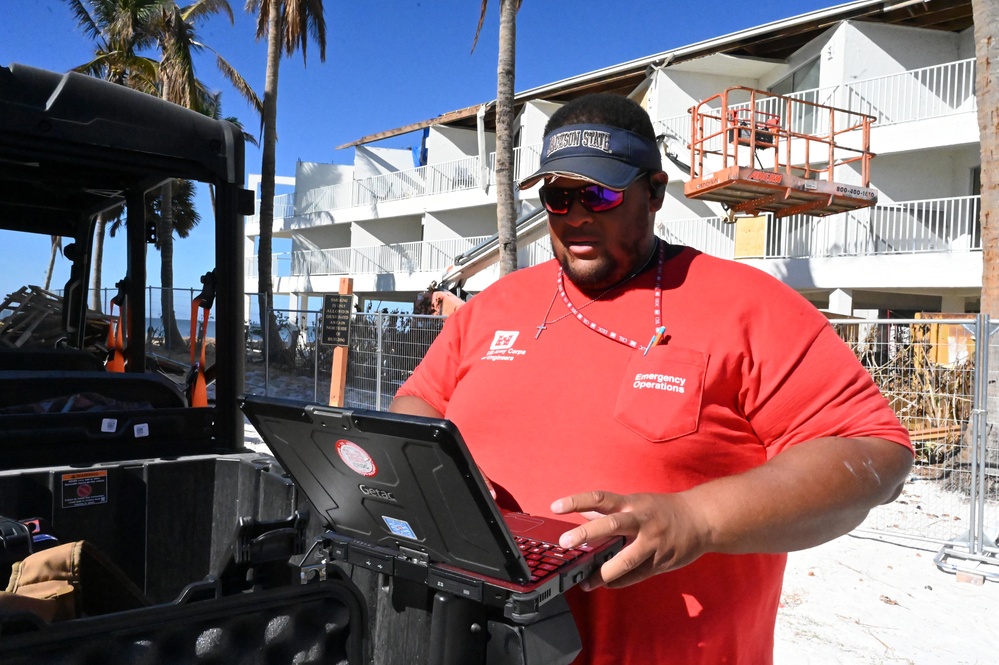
(952,304)
(841,302)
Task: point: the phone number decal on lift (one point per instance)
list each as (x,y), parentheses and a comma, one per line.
(855,191)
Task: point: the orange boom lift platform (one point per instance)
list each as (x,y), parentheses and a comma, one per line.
(758,152)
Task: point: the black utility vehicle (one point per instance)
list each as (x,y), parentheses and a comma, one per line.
(194,544)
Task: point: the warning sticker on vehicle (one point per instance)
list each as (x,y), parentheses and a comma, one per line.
(87,488)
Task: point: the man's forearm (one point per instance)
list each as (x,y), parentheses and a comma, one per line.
(805,496)
(414,406)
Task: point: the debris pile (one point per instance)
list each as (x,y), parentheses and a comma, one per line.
(31,318)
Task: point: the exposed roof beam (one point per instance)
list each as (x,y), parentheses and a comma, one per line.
(777,39)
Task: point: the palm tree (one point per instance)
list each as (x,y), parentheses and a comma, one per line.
(213,109)
(115,26)
(56,249)
(986,19)
(287,25)
(506,201)
(174,29)
(121,29)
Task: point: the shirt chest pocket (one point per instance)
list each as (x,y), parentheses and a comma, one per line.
(660,394)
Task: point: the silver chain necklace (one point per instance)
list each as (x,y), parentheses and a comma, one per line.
(560,289)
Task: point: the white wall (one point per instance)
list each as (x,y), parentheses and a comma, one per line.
(322,237)
(533,118)
(871,50)
(966,44)
(443,224)
(677,91)
(447,144)
(369,162)
(385,231)
(311,175)
(822,46)
(913,176)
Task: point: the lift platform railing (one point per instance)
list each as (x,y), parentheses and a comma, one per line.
(756,151)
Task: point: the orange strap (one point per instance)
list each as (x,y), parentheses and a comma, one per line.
(199,391)
(116,342)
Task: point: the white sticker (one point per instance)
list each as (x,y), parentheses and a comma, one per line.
(141,430)
(356,458)
(109,425)
(400,527)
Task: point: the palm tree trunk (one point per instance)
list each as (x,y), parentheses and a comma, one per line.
(506,204)
(268,169)
(171,331)
(56,244)
(986,16)
(97,263)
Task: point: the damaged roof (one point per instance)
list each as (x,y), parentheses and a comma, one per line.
(773,41)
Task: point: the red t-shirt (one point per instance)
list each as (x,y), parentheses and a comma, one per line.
(747,368)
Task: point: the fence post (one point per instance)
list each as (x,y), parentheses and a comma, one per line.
(315,358)
(378,360)
(338,374)
(266,325)
(979,431)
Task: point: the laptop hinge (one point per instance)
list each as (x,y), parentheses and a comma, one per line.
(414,555)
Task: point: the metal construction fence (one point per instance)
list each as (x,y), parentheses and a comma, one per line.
(935,372)
(384,349)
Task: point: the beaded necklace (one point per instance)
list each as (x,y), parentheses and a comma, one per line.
(610,334)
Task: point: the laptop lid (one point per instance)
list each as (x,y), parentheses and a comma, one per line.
(402,482)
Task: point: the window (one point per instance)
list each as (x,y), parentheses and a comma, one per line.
(804,78)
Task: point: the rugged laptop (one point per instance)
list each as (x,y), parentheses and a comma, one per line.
(401,495)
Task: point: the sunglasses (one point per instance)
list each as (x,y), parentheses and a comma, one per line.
(594,198)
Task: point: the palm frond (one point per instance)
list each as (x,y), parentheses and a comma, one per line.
(482,20)
(239,83)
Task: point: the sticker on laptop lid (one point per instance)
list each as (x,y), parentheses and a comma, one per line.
(356,458)
(400,527)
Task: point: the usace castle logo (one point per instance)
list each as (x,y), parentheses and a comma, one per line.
(501,347)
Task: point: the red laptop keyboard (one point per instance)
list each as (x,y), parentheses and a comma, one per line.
(544,559)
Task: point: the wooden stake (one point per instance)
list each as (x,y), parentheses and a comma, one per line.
(338,382)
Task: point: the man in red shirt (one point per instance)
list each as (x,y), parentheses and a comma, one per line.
(696,406)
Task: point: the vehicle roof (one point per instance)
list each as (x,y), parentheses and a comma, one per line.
(71,144)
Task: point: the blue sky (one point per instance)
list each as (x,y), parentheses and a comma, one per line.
(388,64)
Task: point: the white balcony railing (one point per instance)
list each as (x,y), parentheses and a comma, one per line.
(443,178)
(917,94)
(912,95)
(408,257)
(932,225)
(284,208)
(711,235)
(280,266)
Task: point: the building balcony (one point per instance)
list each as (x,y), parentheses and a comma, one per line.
(915,95)
(910,229)
(284,208)
(948,225)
